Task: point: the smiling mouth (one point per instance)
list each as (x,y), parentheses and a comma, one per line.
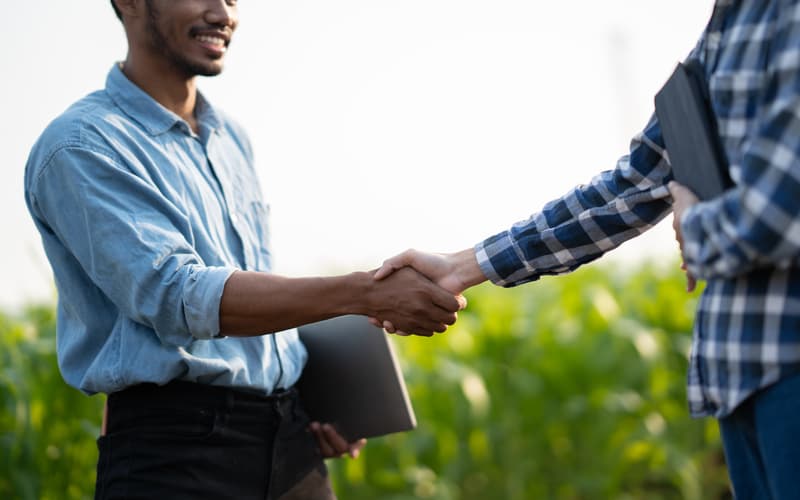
(214,39)
(216,43)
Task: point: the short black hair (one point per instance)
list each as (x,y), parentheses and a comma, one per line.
(116,10)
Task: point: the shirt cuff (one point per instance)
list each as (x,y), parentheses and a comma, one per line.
(498,259)
(201,300)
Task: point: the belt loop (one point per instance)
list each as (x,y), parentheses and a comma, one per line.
(283,399)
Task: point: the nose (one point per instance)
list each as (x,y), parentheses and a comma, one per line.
(222,13)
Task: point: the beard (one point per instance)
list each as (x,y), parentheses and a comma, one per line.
(162,44)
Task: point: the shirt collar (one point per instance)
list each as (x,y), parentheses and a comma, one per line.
(145,110)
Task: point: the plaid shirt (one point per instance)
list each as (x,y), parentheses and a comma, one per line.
(745,243)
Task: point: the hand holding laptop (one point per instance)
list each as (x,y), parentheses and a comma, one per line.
(682,198)
(698,161)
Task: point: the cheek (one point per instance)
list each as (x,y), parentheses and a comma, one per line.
(177,35)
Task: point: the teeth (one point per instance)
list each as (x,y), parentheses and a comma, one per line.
(213,40)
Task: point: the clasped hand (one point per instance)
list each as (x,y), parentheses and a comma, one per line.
(453,273)
(682,199)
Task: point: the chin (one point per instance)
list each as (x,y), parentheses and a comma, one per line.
(209,71)
(197,68)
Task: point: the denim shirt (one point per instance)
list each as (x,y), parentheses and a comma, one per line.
(143,221)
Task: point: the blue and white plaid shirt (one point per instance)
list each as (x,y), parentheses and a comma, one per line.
(745,243)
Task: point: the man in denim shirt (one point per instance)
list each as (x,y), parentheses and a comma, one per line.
(151,215)
(745,362)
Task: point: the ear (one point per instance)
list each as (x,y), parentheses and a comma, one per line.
(130,8)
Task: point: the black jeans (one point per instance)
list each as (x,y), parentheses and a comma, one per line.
(193,441)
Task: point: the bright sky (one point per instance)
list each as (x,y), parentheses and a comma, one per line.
(378,125)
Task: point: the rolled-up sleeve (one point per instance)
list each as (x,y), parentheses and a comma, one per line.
(131,242)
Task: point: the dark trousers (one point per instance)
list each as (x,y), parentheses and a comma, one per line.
(193,441)
(762,443)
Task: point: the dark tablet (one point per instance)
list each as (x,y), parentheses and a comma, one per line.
(352,379)
(689,129)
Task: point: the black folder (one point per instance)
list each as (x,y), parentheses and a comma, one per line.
(352,379)
(690,133)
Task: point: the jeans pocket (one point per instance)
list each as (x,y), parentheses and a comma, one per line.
(167,423)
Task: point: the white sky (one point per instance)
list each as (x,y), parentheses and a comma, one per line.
(378,125)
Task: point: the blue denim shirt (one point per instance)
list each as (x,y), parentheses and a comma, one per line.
(143,222)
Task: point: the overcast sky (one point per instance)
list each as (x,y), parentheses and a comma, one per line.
(378,125)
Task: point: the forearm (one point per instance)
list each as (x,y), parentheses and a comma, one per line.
(255,303)
(588,221)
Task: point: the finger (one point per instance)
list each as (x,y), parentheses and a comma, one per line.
(679,191)
(438,295)
(414,331)
(324,447)
(675,188)
(462,302)
(671,185)
(425,322)
(691,283)
(339,444)
(355,448)
(375,322)
(426,326)
(400,333)
(442,318)
(386,269)
(446,300)
(393,264)
(433,320)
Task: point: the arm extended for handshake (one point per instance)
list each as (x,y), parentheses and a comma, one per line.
(455,272)
(254,303)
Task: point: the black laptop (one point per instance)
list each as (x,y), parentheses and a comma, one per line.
(352,379)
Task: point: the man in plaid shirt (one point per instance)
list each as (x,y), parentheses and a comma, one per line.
(745,243)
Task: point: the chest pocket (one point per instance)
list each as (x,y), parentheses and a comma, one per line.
(257,214)
(248,212)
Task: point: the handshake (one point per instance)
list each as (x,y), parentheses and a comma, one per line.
(420,293)
(423,290)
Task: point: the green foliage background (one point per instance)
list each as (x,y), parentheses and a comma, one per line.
(570,388)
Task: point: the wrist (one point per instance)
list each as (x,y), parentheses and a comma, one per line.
(466,268)
(355,292)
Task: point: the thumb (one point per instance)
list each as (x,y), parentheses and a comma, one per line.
(386,269)
(393,264)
